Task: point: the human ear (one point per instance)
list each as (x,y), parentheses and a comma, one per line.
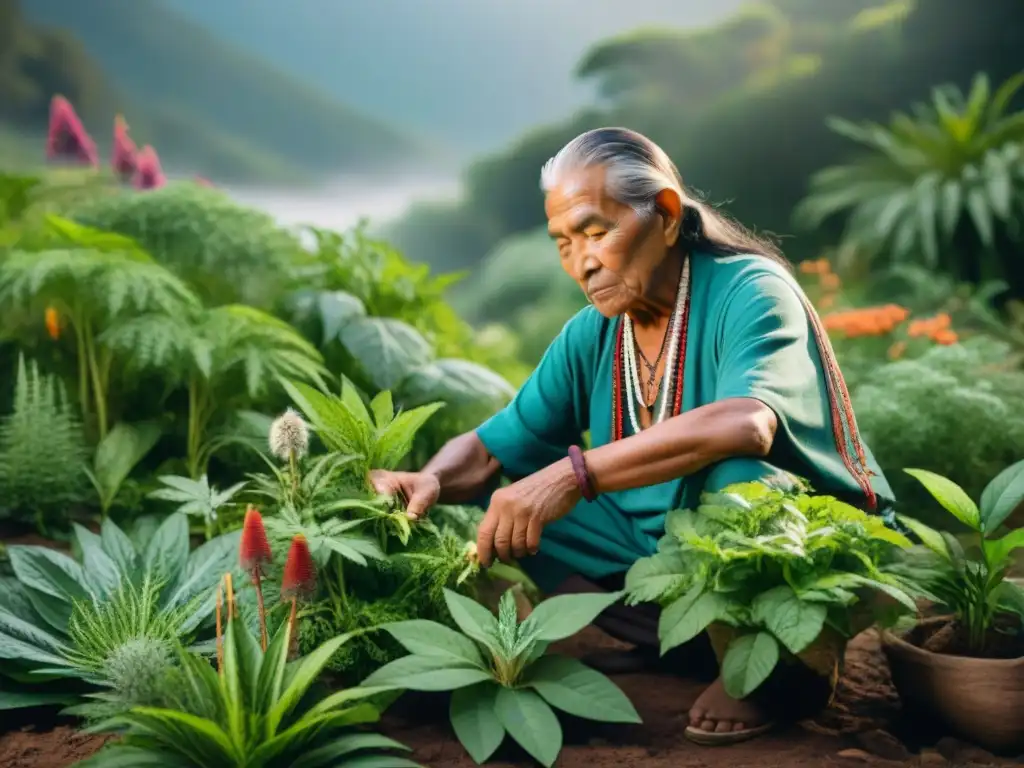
(670,206)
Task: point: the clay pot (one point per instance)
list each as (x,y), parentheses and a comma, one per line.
(981,700)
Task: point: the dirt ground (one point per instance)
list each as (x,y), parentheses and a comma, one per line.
(862,727)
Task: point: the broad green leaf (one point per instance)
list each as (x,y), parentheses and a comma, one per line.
(304,729)
(22,641)
(530,721)
(203,570)
(950,495)
(167,551)
(354,401)
(49,572)
(928,536)
(573,687)
(564,615)
(794,622)
(272,671)
(998,551)
(456,382)
(338,699)
(117,544)
(473,718)
(116,755)
(336,309)
(651,578)
(429,638)
(98,567)
(388,349)
(748,662)
(426,673)
(117,455)
(1002,496)
(688,616)
(471,617)
(32,699)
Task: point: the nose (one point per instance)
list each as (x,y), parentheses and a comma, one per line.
(585,262)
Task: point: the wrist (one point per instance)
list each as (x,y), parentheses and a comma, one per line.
(582,477)
(566,480)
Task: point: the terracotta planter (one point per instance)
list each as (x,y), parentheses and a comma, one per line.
(981,700)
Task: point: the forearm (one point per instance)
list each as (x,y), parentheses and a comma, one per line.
(464,469)
(683,445)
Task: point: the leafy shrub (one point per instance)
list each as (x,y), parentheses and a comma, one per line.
(500,678)
(971,581)
(257,712)
(779,567)
(957,411)
(42,448)
(70,615)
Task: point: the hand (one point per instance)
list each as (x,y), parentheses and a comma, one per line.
(518,513)
(419,490)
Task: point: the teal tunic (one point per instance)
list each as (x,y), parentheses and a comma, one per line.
(749,335)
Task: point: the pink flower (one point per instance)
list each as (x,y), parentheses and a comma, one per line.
(125,152)
(67,138)
(148,173)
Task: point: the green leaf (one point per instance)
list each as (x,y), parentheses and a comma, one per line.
(748,662)
(49,572)
(31,699)
(573,687)
(336,309)
(117,544)
(688,616)
(197,738)
(303,675)
(794,622)
(456,382)
(100,570)
(354,401)
(395,440)
(530,721)
(651,578)
(387,349)
(167,552)
(471,617)
(116,755)
(928,536)
(472,713)
(117,455)
(563,616)
(998,551)
(383,408)
(328,754)
(1002,496)
(429,638)
(426,673)
(950,495)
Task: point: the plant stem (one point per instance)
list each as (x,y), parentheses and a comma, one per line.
(220,638)
(260,609)
(98,390)
(83,367)
(293,641)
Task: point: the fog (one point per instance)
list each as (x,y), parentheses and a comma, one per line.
(340,204)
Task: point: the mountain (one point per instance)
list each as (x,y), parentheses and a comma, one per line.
(202,98)
(476,72)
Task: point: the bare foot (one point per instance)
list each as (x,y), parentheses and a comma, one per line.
(715,711)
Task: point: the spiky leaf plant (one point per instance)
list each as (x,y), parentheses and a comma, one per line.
(66,615)
(260,712)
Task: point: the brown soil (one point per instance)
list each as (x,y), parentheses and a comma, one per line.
(949,637)
(856,730)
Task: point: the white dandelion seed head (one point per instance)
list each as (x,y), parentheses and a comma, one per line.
(289,436)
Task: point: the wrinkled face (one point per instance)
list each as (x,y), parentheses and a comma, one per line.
(604,245)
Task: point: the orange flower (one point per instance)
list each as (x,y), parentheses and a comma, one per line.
(826,302)
(896,350)
(299,572)
(868,321)
(52,323)
(830,281)
(945,337)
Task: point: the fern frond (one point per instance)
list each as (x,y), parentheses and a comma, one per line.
(42,446)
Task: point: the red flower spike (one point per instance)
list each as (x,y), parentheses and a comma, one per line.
(124,158)
(66,138)
(299,572)
(148,173)
(253,549)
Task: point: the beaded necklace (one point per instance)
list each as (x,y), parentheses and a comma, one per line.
(625,369)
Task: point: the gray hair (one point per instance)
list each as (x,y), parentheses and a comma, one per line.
(636,171)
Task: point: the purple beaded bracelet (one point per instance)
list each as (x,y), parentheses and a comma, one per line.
(579,467)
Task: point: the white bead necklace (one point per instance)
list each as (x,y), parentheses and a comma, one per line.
(633,388)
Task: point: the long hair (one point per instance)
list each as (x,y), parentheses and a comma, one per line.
(637,169)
